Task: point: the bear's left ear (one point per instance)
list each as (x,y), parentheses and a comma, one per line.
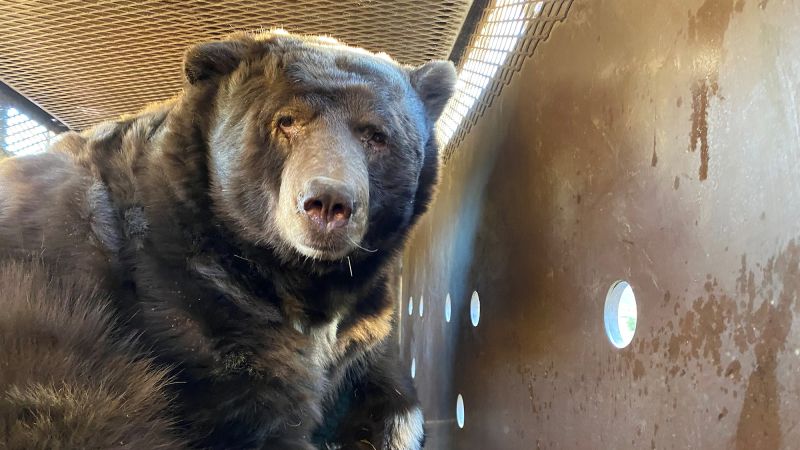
(435,83)
(212,59)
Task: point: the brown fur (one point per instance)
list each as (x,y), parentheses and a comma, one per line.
(180,225)
(76,381)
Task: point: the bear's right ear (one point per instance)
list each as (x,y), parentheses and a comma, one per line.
(212,59)
(435,82)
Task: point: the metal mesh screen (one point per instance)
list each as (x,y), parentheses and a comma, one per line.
(508,31)
(84,62)
(21,132)
(21,135)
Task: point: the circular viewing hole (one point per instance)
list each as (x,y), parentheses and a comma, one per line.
(413,367)
(421,305)
(620,314)
(410,306)
(475,309)
(460,411)
(447,308)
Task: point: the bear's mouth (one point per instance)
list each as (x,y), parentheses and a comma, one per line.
(327,250)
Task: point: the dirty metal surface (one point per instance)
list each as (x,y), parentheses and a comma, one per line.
(655,142)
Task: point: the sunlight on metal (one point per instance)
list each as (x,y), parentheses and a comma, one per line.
(497,38)
(20,135)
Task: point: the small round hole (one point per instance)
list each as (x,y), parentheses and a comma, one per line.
(460,411)
(421,305)
(413,367)
(475,309)
(410,306)
(620,314)
(447,308)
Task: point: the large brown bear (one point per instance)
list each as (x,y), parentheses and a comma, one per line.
(215,272)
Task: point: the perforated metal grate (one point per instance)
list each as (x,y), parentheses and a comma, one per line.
(20,134)
(23,130)
(84,62)
(508,32)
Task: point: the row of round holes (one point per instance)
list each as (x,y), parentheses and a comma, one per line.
(619,313)
(474,308)
(475,318)
(619,316)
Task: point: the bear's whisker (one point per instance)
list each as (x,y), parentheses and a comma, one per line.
(362,248)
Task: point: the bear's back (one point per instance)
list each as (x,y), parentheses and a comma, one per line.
(53,209)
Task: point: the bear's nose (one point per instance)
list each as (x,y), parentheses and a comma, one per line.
(328,202)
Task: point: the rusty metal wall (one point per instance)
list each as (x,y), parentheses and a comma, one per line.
(656,142)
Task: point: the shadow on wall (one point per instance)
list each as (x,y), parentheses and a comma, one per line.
(442,266)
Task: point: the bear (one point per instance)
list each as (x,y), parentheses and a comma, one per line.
(219,270)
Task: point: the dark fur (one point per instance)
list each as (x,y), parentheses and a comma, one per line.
(172,227)
(70,377)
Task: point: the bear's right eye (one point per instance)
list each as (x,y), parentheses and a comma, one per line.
(286,122)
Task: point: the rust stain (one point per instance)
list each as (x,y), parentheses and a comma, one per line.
(744,337)
(757,318)
(709,24)
(763,4)
(699,334)
(760,421)
(701,91)
(734,371)
(739,7)
(707,29)
(677,183)
(638,370)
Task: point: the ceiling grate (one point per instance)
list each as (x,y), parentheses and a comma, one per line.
(508,32)
(84,62)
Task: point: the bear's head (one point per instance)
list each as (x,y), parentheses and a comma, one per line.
(316,149)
